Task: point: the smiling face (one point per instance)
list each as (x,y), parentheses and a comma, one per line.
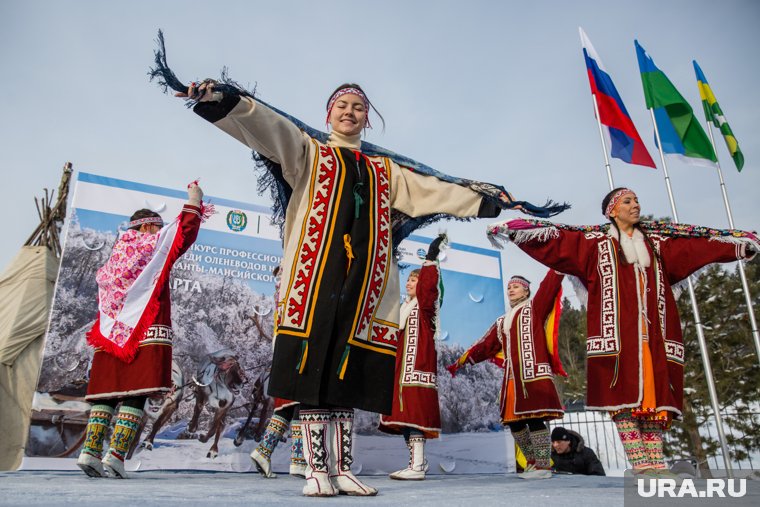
(411,286)
(516,292)
(348,115)
(627,212)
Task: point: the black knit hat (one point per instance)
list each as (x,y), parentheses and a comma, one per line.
(560,433)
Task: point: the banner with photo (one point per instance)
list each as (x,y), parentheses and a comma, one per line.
(222,316)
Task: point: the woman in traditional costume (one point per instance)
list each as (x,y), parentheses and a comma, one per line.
(345,205)
(338,309)
(132,335)
(416,413)
(634,346)
(524,342)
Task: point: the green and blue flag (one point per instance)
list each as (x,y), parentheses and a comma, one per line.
(681,135)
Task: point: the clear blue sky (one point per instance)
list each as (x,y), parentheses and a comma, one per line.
(495,91)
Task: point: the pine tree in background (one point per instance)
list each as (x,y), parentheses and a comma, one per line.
(735,368)
(732,353)
(572,351)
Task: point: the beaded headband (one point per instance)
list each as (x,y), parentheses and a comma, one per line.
(615,199)
(346,91)
(150,220)
(520,281)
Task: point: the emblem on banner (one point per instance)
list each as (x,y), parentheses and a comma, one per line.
(236,220)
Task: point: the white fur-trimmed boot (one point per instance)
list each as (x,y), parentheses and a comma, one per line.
(341,444)
(417,466)
(314,425)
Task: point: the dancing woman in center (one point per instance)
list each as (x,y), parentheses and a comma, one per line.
(344,211)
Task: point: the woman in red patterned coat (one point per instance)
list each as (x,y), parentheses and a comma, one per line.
(416,414)
(528,395)
(132,335)
(634,346)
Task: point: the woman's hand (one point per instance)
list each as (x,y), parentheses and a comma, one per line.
(194,194)
(203,92)
(506,197)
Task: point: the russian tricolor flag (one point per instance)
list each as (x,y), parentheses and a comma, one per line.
(624,140)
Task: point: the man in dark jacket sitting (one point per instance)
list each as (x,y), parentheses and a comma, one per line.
(570,454)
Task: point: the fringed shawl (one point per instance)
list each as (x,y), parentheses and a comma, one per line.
(525,229)
(271,177)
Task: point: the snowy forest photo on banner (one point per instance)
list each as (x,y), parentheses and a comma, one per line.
(222,316)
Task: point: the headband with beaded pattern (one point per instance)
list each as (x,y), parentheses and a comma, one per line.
(149,220)
(614,200)
(520,281)
(346,91)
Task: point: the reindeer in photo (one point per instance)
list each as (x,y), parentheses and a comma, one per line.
(217,383)
(160,410)
(261,404)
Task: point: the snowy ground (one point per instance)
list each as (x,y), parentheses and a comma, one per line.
(461,453)
(186,488)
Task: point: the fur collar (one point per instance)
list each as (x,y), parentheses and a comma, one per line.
(406,309)
(634,247)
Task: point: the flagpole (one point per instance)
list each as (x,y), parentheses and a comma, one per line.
(604,145)
(698,322)
(742,274)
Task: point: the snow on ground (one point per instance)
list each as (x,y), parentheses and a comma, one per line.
(461,453)
(187,488)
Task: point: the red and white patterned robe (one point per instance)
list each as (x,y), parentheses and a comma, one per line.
(415,393)
(614,335)
(521,335)
(150,372)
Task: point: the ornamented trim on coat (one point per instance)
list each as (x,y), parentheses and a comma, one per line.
(381,247)
(308,263)
(674,351)
(609,342)
(370,332)
(158,335)
(660,284)
(409,375)
(385,334)
(529,369)
(401,424)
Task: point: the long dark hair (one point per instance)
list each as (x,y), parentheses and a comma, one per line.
(354,85)
(613,222)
